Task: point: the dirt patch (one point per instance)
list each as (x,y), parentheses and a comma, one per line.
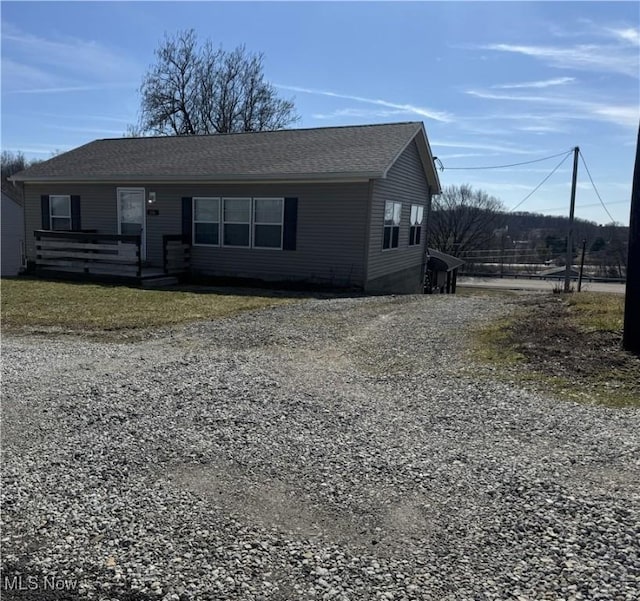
(552,344)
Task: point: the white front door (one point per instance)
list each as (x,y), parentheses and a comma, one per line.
(131,215)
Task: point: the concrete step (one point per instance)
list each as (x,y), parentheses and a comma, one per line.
(162,281)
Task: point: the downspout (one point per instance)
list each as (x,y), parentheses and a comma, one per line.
(367,234)
(425,250)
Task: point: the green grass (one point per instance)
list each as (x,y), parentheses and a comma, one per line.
(597,311)
(75,307)
(611,376)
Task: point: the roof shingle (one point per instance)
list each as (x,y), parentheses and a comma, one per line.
(332,152)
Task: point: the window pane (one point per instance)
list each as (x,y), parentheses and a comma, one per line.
(206,209)
(414,213)
(206,233)
(237,209)
(60,206)
(388,213)
(397,210)
(418,230)
(268,235)
(387,237)
(420,214)
(268,210)
(394,237)
(60,223)
(236,234)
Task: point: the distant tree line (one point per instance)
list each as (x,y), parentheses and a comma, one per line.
(474,226)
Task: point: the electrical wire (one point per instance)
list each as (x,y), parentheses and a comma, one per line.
(596,189)
(578,206)
(553,156)
(542,182)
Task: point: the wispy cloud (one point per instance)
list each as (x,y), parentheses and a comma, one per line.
(67,89)
(66,54)
(87,130)
(409,108)
(502,149)
(626,34)
(593,57)
(547,83)
(621,114)
(361,113)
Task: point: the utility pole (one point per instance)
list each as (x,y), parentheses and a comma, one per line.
(569,257)
(631,332)
(584,249)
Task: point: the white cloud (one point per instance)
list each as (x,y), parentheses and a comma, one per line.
(409,108)
(621,114)
(626,34)
(67,89)
(593,57)
(479,146)
(558,81)
(66,54)
(361,113)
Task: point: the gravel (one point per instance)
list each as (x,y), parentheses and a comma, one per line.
(336,449)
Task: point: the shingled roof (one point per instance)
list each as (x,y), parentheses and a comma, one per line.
(330,153)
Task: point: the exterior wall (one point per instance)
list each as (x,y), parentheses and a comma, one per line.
(330,240)
(406,281)
(406,182)
(97,208)
(12,236)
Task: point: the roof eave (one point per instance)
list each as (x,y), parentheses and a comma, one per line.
(222,179)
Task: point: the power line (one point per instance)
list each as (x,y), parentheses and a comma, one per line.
(579,206)
(542,182)
(553,156)
(596,189)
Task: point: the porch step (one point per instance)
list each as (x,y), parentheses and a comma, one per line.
(161,281)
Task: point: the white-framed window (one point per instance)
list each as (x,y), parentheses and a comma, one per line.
(60,212)
(206,221)
(268,217)
(236,222)
(391,234)
(415,224)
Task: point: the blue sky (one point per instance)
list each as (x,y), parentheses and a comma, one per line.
(495,83)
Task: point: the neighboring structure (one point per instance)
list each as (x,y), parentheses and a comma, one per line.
(12,230)
(341,206)
(442,272)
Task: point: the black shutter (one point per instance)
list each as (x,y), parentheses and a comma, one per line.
(290,223)
(75,214)
(187,218)
(44,207)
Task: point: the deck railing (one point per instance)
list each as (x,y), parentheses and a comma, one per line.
(89,253)
(176,254)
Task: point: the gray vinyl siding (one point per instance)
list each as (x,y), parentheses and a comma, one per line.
(331,228)
(97,208)
(406,182)
(329,241)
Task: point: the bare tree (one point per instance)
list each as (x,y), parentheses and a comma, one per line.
(12,162)
(203,90)
(463,220)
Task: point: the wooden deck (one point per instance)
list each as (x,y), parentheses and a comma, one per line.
(90,255)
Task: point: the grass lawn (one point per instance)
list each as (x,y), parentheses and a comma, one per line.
(569,344)
(38,304)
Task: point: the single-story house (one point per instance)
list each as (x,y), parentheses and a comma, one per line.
(12,219)
(340,206)
(442,272)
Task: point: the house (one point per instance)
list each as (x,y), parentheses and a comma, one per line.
(442,272)
(338,206)
(12,220)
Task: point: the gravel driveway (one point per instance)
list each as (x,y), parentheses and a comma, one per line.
(333,449)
